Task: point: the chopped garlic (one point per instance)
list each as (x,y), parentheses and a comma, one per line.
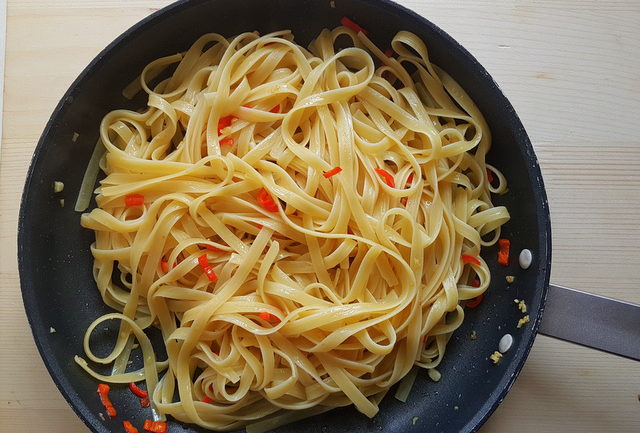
(75,136)
(61,201)
(510,278)
(52,330)
(522,306)
(415,419)
(523,321)
(474,335)
(495,357)
(333,6)
(101,416)
(58,186)
(455,408)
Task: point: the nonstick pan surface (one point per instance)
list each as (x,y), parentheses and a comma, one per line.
(55,262)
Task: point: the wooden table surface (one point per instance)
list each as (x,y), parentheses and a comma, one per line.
(571,68)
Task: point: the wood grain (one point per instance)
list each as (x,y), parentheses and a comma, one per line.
(571,68)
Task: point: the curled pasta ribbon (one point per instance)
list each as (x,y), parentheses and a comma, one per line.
(303,216)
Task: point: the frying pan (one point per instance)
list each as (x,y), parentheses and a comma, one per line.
(55,262)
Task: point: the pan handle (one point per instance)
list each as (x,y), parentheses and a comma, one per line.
(594,321)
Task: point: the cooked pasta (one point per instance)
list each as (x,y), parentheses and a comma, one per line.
(303,225)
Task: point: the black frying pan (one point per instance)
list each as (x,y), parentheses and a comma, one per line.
(55,262)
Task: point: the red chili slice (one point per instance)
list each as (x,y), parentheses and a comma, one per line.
(131,200)
(103,392)
(225,122)
(137,391)
(269,317)
(203,261)
(264,315)
(155,426)
(470,259)
(266,201)
(503,253)
(409,181)
(403,200)
(332,172)
(388,178)
(211,274)
(489,175)
(352,25)
(165,266)
(473,303)
(128,427)
(227,142)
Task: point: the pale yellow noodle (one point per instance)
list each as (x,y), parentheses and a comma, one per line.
(361,280)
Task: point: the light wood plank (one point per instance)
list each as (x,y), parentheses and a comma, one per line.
(571,68)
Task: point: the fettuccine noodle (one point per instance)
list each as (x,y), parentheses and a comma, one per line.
(332,193)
